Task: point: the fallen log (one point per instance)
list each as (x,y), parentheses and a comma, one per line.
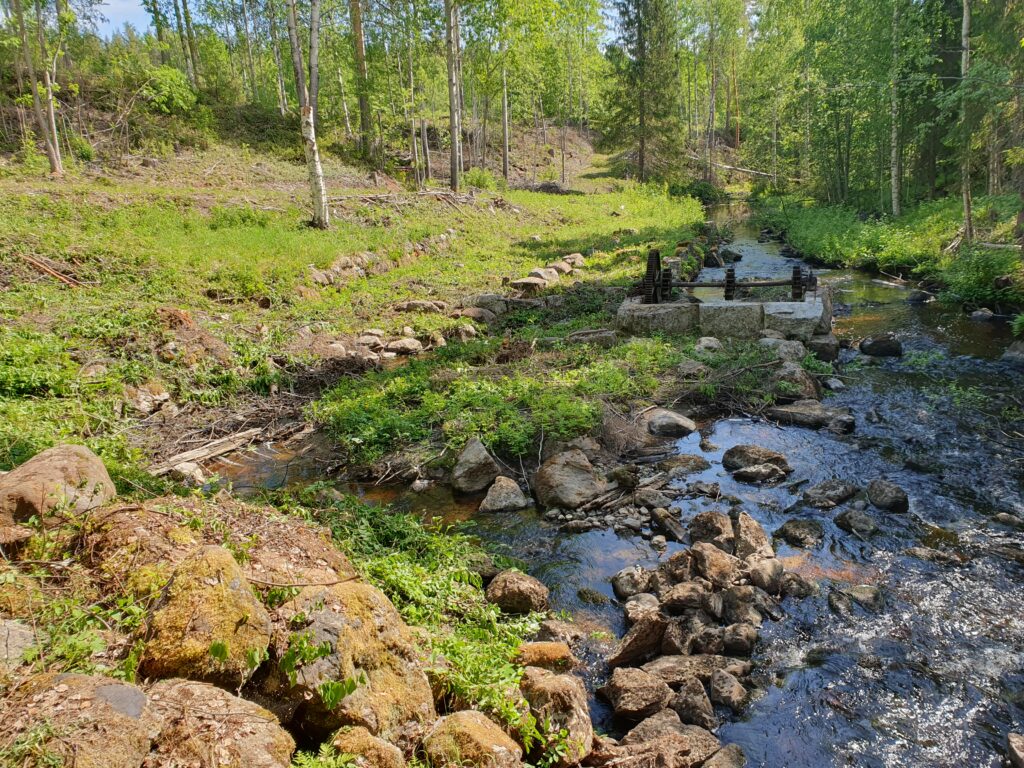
(209,451)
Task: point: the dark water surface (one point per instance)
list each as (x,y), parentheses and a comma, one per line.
(934,678)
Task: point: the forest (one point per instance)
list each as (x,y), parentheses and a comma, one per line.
(511,383)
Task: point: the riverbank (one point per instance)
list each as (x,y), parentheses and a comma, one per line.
(920,245)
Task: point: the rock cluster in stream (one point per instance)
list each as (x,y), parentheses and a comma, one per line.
(694,622)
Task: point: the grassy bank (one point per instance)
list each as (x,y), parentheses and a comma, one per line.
(911,245)
(194,279)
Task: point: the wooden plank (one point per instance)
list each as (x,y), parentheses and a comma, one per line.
(209,451)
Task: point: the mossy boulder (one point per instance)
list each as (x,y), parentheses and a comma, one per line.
(202,725)
(369,750)
(209,626)
(81,720)
(561,702)
(347,632)
(468,738)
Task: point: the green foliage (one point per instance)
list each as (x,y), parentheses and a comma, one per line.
(1018,326)
(33,364)
(302,650)
(168,91)
(333,691)
(33,748)
(481,178)
(325,757)
(702,190)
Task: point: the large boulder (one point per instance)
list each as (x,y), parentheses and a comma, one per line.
(726,690)
(740,456)
(568,480)
(546,654)
(665,423)
(635,694)
(885,345)
(791,351)
(369,751)
(469,739)
(887,495)
(631,580)
(347,633)
(675,670)
(504,496)
(205,726)
(516,592)
(856,522)
(475,468)
(824,346)
(91,721)
(209,625)
(67,478)
(561,702)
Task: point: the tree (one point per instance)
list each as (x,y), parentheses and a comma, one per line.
(451,27)
(45,120)
(362,79)
(307,99)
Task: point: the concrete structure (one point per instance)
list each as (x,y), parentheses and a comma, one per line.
(730,319)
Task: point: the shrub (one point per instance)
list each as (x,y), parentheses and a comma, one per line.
(168,91)
(480,178)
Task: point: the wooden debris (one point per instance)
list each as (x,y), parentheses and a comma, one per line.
(664,519)
(209,451)
(70,281)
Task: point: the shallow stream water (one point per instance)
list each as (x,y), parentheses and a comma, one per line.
(935,677)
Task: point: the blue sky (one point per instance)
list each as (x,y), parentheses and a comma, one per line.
(118,12)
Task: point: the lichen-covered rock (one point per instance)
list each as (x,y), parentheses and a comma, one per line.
(209,626)
(688,595)
(692,704)
(739,639)
(655,726)
(93,721)
(560,701)
(468,738)
(675,670)
(69,477)
(669,750)
(791,382)
(729,756)
(683,465)
(751,540)
(641,641)
(714,528)
(504,495)
(347,632)
(765,573)
(639,604)
(635,694)
(369,750)
(715,565)
(801,533)
(516,592)
(138,546)
(475,468)
(15,639)
(725,689)
(856,522)
(568,480)
(208,727)
(759,473)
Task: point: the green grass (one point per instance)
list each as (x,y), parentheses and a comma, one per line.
(912,244)
(221,235)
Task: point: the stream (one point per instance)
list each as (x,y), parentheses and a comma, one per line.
(934,677)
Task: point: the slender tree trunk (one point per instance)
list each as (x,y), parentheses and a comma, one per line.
(451,15)
(42,124)
(193,50)
(189,71)
(414,146)
(314,63)
(249,59)
(894,113)
(504,123)
(965,168)
(459,82)
(48,80)
(321,209)
(425,136)
(362,80)
(282,91)
(344,104)
(712,98)
(736,97)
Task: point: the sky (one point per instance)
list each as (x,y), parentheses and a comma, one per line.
(118,12)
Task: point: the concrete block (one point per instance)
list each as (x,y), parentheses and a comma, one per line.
(796,319)
(638,318)
(731,319)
